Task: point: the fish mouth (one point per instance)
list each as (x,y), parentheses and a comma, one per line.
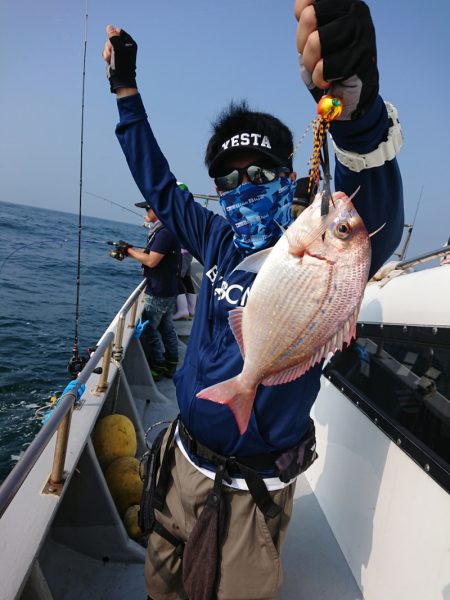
(318,256)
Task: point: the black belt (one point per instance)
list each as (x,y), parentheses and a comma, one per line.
(259,462)
(247,467)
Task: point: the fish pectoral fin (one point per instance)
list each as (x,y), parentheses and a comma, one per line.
(300,240)
(235,322)
(297,245)
(254,262)
(236,396)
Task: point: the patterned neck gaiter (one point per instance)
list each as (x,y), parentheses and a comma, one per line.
(256,212)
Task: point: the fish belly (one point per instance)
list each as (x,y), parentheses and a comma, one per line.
(289,312)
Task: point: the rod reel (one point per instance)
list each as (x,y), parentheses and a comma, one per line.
(77,362)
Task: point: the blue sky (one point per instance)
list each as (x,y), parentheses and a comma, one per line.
(194,57)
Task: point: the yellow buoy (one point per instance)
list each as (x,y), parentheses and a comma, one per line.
(124,482)
(130,521)
(114,436)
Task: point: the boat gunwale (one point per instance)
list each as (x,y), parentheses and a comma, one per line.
(14,480)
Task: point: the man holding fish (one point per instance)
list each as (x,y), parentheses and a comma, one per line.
(272,305)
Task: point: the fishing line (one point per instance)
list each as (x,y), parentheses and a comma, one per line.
(56,243)
(5,260)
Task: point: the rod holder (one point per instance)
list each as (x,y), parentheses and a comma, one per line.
(132,322)
(57,475)
(102,385)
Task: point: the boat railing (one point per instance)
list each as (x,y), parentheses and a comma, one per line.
(109,348)
(423,258)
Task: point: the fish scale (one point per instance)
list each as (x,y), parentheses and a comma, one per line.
(303,303)
(297,350)
(292,323)
(284,303)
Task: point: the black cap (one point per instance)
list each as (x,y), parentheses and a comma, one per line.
(248,140)
(239,129)
(143,204)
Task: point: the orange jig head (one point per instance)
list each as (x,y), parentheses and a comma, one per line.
(329,107)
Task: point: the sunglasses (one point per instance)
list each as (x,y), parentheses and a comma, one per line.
(256,174)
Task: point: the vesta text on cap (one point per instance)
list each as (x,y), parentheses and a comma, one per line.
(247,139)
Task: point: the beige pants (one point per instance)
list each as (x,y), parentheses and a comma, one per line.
(250,566)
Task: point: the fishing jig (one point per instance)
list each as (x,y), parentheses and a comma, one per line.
(329,108)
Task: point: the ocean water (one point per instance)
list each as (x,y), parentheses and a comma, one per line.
(38,266)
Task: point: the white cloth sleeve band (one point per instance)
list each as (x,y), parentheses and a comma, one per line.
(386,151)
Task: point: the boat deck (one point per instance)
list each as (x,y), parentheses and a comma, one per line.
(88,554)
(376,499)
(314,567)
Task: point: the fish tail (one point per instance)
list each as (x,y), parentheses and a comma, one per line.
(236,396)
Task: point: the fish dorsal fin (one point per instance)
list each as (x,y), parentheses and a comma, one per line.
(254,262)
(343,335)
(282,229)
(235,322)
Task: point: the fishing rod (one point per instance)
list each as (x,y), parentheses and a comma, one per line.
(402,254)
(76,362)
(115,203)
(206,197)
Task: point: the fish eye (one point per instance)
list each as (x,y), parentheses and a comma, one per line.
(342,230)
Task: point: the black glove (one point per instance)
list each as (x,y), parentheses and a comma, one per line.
(347,39)
(122,70)
(121,249)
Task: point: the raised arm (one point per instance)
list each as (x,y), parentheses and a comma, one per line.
(176,208)
(337,51)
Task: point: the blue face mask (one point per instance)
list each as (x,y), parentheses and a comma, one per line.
(255,212)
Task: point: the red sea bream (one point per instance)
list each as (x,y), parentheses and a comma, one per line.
(303,304)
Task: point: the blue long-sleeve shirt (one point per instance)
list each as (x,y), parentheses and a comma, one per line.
(280,414)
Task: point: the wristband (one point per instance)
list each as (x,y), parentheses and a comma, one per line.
(386,151)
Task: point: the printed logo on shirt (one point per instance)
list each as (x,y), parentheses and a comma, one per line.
(234,293)
(212,274)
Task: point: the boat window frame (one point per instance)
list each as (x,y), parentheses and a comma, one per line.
(421,336)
